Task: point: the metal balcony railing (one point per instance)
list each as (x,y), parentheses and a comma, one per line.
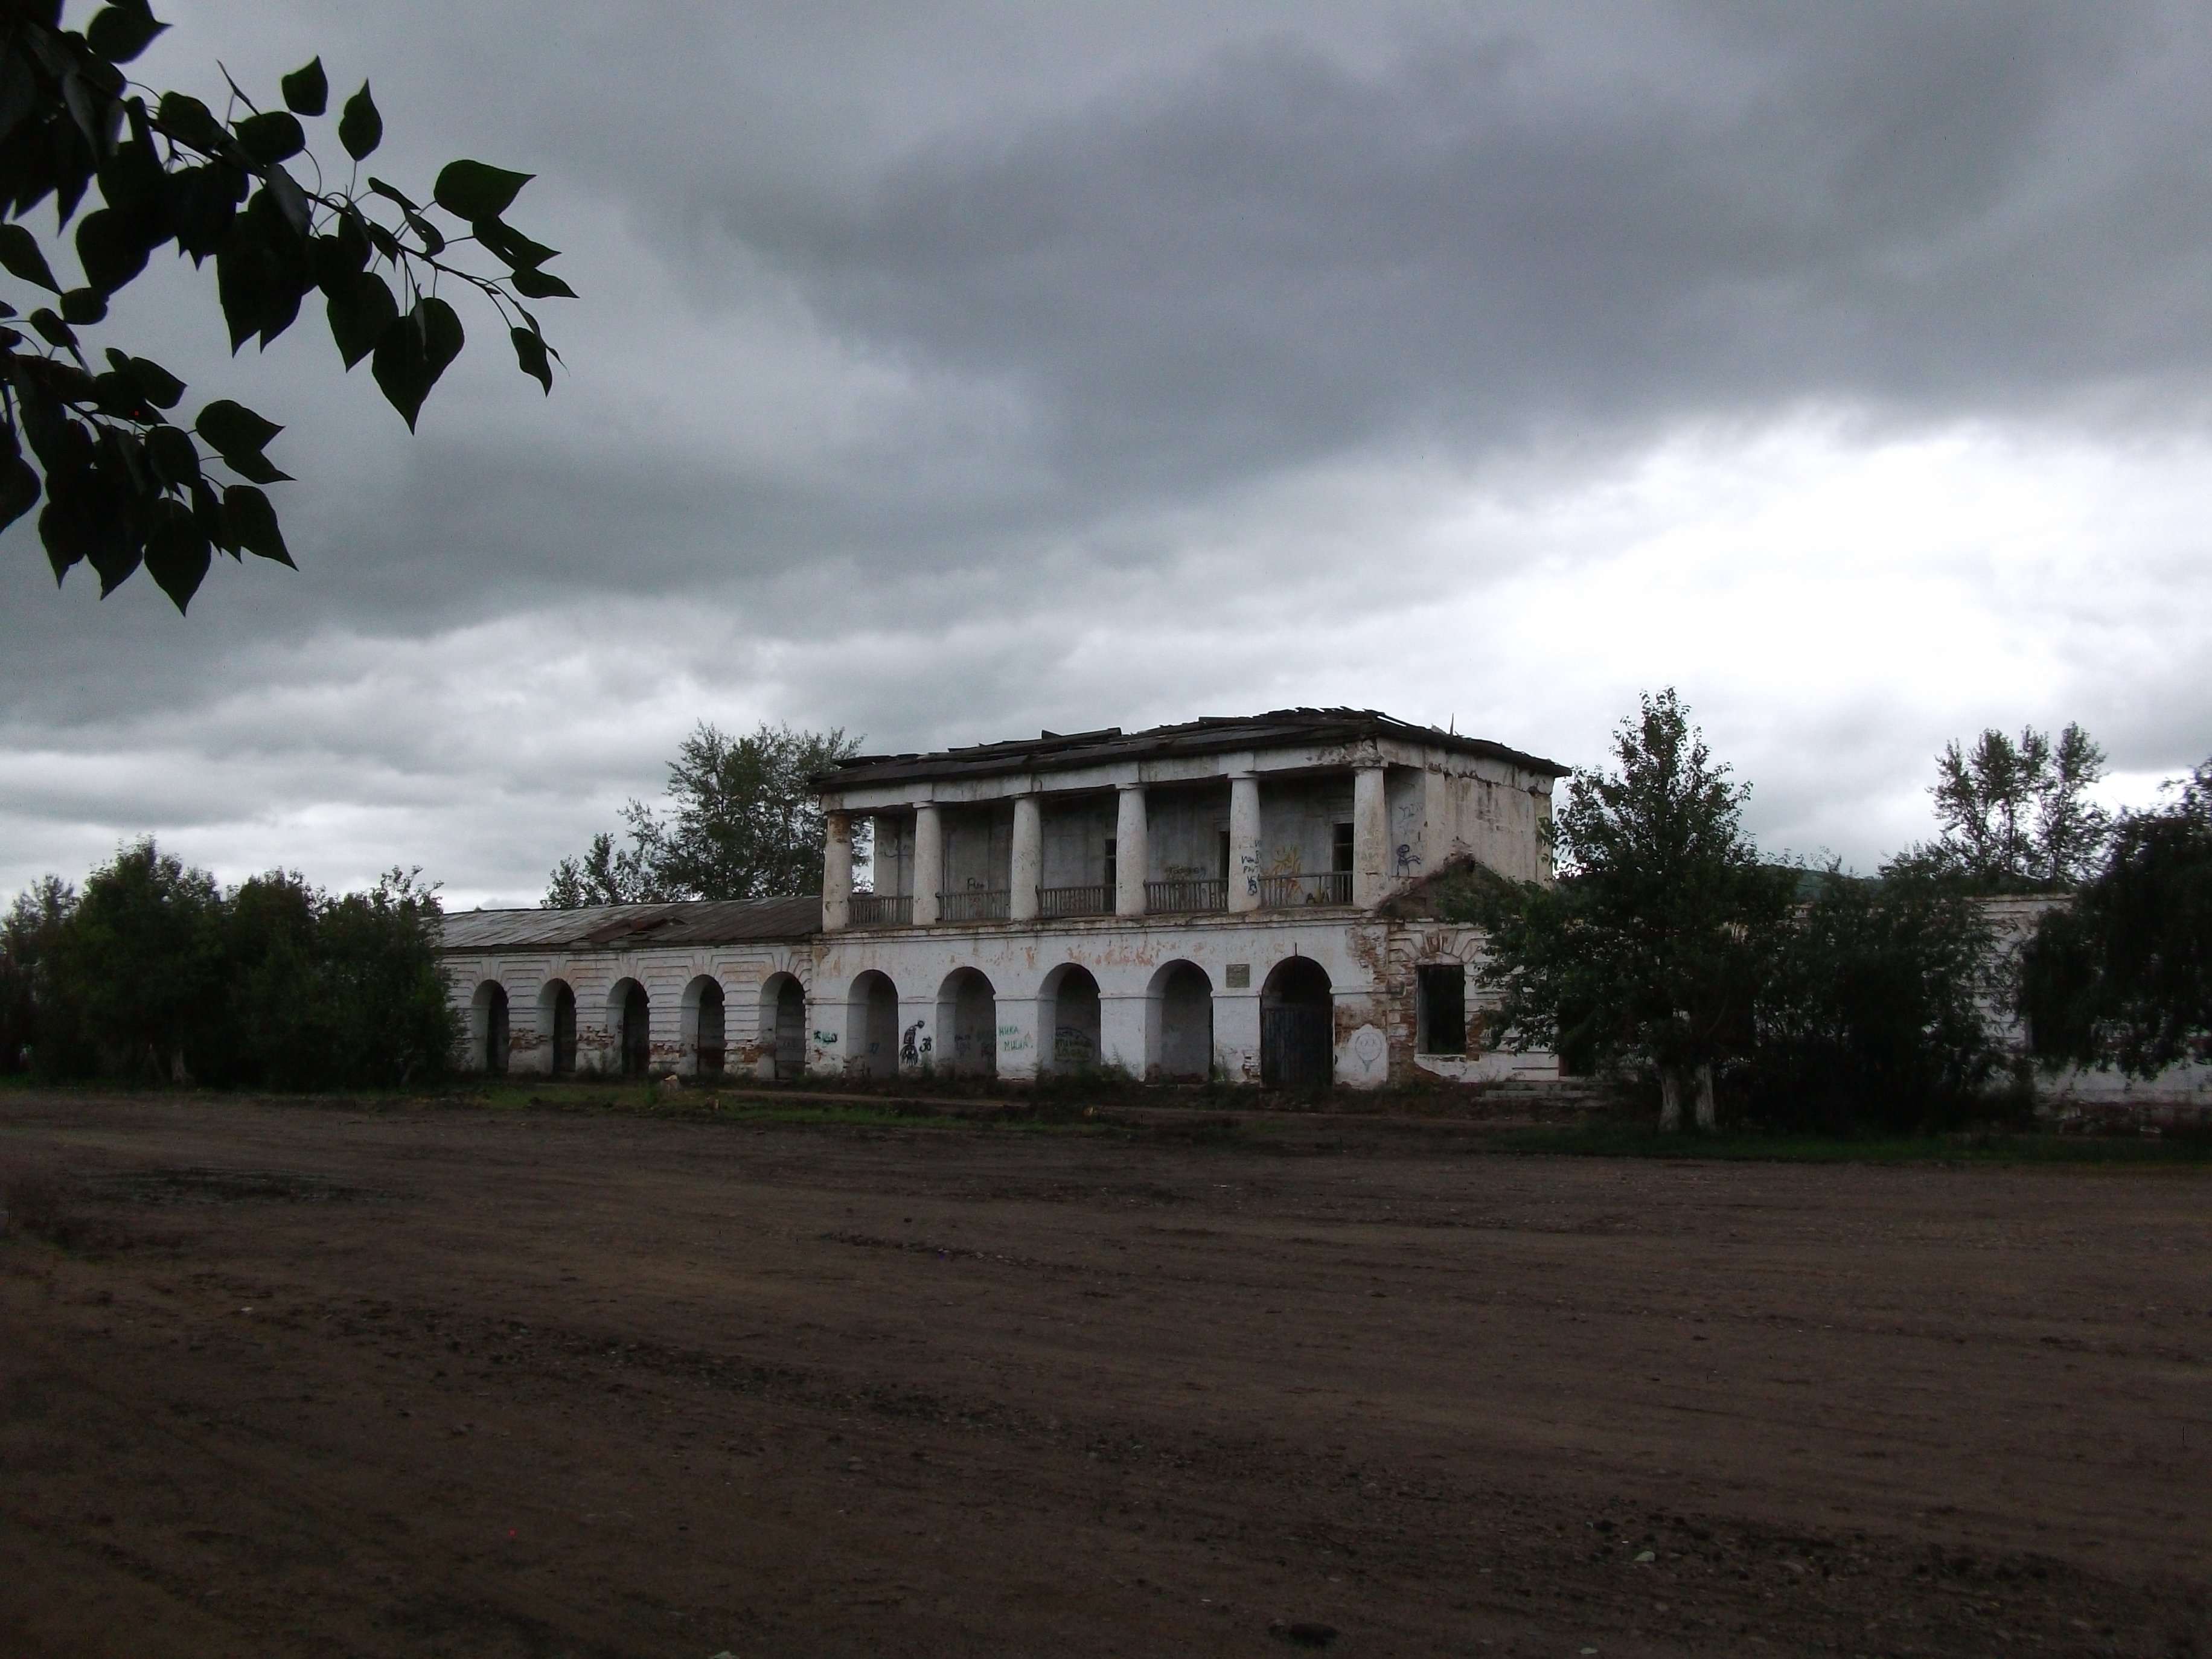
(882,910)
(1320,887)
(1206,893)
(1093,901)
(975,904)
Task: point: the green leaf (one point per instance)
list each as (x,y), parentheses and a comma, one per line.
(510,245)
(174,457)
(112,246)
(163,390)
(51,328)
(413,353)
(529,353)
(83,307)
(176,552)
(251,523)
(19,490)
(533,284)
(153,383)
(190,122)
(441,334)
(361,129)
(207,513)
(361,308)
(232,428)
(119,34)
(272,137)
(471,190)
(306,91)
(391,193)
(19,252)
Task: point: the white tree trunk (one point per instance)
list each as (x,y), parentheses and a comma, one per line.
(1670,1100)
(1709,1117)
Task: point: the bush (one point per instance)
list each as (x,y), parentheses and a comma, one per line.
(1874,1012)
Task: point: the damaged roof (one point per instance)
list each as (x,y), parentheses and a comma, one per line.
(1054,752)
(611,927)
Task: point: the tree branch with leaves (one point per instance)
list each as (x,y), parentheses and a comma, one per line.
(125,483)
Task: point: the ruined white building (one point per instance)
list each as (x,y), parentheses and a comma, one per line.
(1204,899)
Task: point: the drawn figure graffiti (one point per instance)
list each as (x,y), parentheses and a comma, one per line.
(908,1052)
(1409,861)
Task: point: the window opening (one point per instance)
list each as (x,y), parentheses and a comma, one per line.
(1442,1010)
(1341,854)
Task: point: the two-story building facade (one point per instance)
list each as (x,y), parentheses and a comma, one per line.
(1205,900)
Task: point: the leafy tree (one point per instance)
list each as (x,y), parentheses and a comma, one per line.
(138,966)
(2124,975)
(157,974)
(1872,1011)
(1647,954)
(745,825)
(2016,815)
(122,484)
(26,940)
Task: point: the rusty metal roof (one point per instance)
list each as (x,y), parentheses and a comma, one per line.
(1054,752)
(617,927)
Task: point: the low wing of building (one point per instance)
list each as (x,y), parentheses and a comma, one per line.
(1202,901)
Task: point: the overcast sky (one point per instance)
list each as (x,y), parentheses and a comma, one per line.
(947,373)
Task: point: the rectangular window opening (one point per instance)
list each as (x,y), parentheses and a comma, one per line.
(1111,870)
(1224,855)
(1340,854)
(1441,1013)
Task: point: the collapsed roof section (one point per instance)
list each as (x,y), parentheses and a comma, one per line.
(613,926)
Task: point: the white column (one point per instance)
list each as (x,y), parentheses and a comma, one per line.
(1132,854)
(1017,1044)
(837,872)
(1028,860)
(928,862)
(1121,1030)
(1244,842)
(1370,836)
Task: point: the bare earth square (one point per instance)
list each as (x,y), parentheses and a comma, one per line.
(282,1378)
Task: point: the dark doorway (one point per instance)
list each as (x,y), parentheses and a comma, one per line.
(710,1028)
(1442,1014)
(636,1032)
(873,1015)
(790,1031)
(1297,1042)
(564,1029)
(494,1029)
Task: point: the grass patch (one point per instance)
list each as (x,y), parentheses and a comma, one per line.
(1994,1147)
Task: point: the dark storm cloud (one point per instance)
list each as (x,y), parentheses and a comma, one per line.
(1274,255)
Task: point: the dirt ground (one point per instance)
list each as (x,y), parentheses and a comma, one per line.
(284,1379)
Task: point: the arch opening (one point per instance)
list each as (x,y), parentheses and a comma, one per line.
(631,1015)
(704,1025)
(1069,1010)
(1297,1046)
(967,1020)
(1179,1024)
(872,1026)
(783,1021)
(488,1024)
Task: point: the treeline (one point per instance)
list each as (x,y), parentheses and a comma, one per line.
(1669,953)
(154,973)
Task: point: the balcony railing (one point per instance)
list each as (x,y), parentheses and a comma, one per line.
(1289,892)
(882,910)
(1208,893)
(975,904)
(1093,901)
